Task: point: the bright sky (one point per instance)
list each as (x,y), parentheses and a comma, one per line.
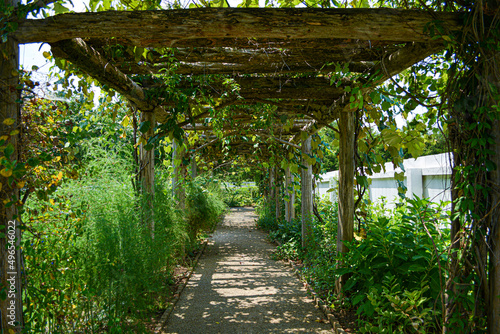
(32,54)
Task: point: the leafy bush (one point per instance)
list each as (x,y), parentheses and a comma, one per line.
(408,251)
(267,215)
(240,196)
(204,206)
(92,263)
(395,269)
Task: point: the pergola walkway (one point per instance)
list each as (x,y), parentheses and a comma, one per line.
(237,288)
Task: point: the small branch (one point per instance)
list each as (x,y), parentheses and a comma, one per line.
(207,144)
(282,141)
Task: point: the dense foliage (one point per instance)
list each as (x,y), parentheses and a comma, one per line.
(396,264)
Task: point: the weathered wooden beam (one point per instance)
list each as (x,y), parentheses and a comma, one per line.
(390,65)
(309,88)
(243,68)
(229,60)
(400,60)
(90,61)
(333,44)
(165,27)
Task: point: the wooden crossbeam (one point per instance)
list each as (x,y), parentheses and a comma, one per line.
(90,61)
(165,27)
(260,88)
(248,43)
(229,61)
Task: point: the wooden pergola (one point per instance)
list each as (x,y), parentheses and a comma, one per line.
(277,57)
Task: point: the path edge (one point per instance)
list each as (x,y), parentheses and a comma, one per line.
(337,328)
(164,318)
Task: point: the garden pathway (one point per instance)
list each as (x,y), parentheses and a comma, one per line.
(237,288)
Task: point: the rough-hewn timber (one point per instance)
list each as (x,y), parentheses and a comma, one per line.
(11,313)
(306,185)
(165,27)
(89,60)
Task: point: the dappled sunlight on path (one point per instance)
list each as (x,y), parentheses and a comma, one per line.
(237,288)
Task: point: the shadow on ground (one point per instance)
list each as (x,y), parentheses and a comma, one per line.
(237,288)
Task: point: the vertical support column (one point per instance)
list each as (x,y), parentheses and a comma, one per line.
(147,170)
(277,194)
(272,186)
(494,235)
(345,231)
(178,191)
(289,204)
(306,184)
(10,269)
(194,167)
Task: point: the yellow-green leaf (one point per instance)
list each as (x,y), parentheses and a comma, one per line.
(9,121)
(125,121)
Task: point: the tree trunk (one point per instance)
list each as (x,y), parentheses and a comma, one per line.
(10,264)
(147,171)
(289,204)
(345,228)
(307,196)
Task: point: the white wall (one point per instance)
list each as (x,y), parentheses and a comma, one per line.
(427,176)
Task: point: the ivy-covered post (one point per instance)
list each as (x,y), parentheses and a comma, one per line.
(290,201)
(178,191)
(306,185)
(494,235)
(10,264)
(345,228)
(494,240)
(147,167)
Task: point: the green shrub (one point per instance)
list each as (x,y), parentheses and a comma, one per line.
(240,196)
(409,251)
(204,206)
(267,215)
(93,264)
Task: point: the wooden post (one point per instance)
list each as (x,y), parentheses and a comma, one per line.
(147,169)
(10,264)
(194,167)
(306,196)
(272,187)
(278,195)
(345,228)
(289,205)
(178,191)
(494,233)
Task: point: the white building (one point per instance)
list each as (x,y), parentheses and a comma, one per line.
(427,176)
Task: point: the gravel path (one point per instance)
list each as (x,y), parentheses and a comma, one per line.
(237,288)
